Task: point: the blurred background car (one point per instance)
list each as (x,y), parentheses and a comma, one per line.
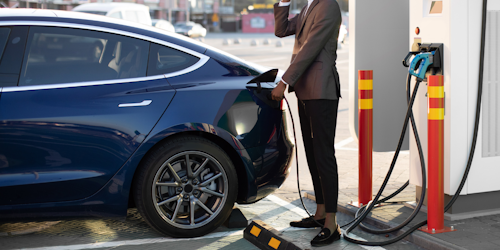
(163,24)
(190,29)
(342,33)
(138,13)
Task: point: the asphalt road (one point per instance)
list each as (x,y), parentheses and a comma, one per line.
(277,210)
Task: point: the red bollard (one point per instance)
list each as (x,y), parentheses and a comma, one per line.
(435,154)
(365,127)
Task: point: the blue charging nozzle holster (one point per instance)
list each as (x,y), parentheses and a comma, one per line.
(420,64)
(428,58)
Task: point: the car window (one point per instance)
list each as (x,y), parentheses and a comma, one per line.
(117,14)
(164,60)
(142,16)
(4,36)
(131,15)
(65,55)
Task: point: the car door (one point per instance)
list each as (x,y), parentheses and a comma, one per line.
(80,109)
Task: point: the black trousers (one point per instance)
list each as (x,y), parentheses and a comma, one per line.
(318,120)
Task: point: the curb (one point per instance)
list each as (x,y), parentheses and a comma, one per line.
(266,237)
(418,238)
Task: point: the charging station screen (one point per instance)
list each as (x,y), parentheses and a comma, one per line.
(436,7)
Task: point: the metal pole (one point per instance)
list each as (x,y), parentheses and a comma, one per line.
(205,22)
(435,139)
(435,156)
(170,10)
(235,19)
(365,134)
(187,9)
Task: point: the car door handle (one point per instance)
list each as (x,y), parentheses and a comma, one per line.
(136,104)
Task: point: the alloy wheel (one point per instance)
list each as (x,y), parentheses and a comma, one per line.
(190,189)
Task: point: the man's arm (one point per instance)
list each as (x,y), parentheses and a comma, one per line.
(284,27)
(322,30)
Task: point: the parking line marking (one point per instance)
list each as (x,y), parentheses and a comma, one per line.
(147,241)
(344,142)
(287,205)
(134,242)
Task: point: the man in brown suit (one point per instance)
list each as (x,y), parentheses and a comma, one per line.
(313,76)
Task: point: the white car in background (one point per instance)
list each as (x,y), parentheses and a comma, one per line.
(190,29)
(342,33)
(163,24)
(138,13)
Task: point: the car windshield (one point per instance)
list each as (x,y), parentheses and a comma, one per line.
(183,25)
(102,13)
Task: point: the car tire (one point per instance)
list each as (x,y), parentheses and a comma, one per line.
(186,200)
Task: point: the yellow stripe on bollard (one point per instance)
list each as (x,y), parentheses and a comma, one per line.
(365,84)
(365,103)
(255,231)
(436,91)
(274,243)
(435,114)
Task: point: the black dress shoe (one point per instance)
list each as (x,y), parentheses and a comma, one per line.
(307,223)
(325,237)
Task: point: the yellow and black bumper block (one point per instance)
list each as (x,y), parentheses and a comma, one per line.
(266,237)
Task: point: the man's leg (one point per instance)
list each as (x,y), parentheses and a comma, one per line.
(323,115)
(305,124)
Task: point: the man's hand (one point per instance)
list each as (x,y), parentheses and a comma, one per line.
(278,91)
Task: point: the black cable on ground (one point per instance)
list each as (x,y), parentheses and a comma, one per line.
(384,184)
(422,160)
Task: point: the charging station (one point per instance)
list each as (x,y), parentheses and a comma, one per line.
(456,26)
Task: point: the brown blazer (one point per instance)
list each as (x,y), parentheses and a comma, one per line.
(312,73)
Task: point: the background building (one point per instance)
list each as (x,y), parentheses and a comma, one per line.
(215,15)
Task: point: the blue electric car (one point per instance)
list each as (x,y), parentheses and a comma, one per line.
(98,115)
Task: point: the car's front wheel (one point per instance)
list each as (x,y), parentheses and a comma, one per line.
(186,187)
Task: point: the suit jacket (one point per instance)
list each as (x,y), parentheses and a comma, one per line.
(312,73)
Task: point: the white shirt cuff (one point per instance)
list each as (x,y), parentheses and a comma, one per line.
(284,81)
(283,4)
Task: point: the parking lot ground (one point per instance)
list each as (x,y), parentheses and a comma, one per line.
(134,233)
